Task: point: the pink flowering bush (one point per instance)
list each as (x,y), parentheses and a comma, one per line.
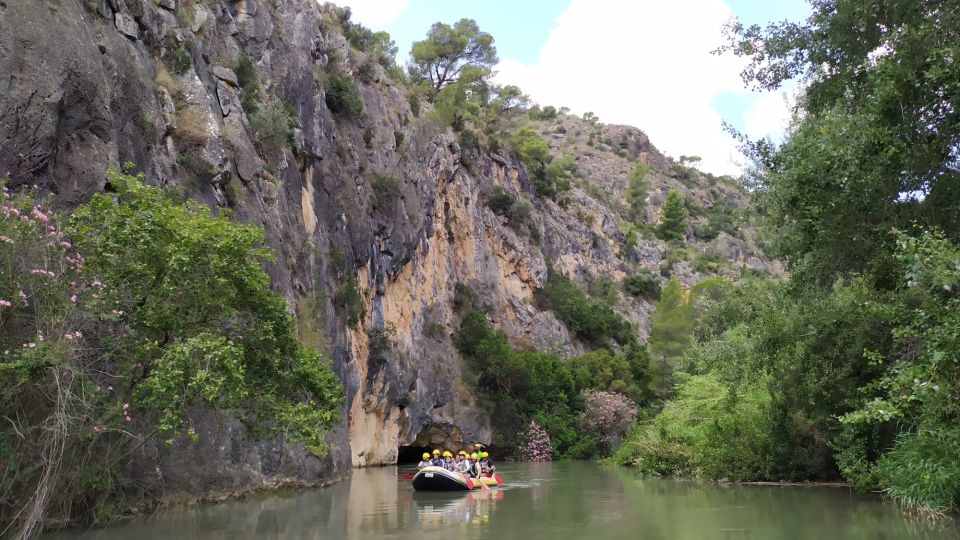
(607,417)
(535,444)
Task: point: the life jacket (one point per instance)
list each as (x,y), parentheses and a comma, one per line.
(424,463)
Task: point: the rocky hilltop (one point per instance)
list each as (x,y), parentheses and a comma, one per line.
(375,219)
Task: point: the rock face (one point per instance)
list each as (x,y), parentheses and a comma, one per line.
(387,205)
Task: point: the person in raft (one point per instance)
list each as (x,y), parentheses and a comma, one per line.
(448,462)
(463,463)
(437,461)
(425,462)
(475,468)
(487,463)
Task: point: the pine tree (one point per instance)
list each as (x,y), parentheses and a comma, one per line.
(673,220)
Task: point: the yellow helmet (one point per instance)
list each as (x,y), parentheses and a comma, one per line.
(462,453)
(484,455)
(436,452)
(447,454)
(474,456)
(426,455)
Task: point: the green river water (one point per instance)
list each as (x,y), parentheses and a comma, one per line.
(550,501)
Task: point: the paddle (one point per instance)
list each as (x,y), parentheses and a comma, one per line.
(407,475)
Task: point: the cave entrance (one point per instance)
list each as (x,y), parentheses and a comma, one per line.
(411,454)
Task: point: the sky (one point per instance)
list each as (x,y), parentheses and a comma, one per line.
(645,63)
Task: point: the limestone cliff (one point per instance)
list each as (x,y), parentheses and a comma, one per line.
(373,219)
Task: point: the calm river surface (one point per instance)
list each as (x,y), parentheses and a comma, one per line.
(551,501)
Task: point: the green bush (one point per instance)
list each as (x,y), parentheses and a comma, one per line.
(136,310)
(176,57)
(644,283)
(386,191)
(273,124)
(706,262)
(922,470)
(560,172)
(707,429)
(499,200)
(348,300)
(251,92)
(593,321)
(342,96)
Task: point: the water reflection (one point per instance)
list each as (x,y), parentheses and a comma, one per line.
(435,510)
(554,501)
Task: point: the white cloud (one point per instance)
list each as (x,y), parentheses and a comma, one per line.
(374,13)
(646,63)
(769,115)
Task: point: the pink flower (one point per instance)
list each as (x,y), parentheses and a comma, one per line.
(5,239)
(73,298)
(68,336)
(23,296)
(77,334)
(39,215)
(110,388)
(65,245)
(5,303)
(24,218)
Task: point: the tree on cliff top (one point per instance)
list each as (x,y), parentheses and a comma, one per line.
(448,49)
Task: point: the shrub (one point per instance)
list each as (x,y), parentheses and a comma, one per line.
(593,321)
(708,262)
(380,341)
(176,57)
(192,129)
(273,126)
(348,300)
(251,92)
(342,96)
(606,418)
(708,430)
(536,444)
(499,200)
(922,470)
(644,283)
(386,191)
(114,325)
(367,72)
(464,298)
(560,172)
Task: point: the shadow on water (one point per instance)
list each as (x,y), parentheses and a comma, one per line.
(554,501)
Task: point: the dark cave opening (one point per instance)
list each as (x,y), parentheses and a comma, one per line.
(411,454)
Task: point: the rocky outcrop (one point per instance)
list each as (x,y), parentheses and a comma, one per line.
(385,206)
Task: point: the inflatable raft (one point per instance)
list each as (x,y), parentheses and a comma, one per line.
(440,479)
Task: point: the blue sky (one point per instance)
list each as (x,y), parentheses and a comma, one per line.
(640,62)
